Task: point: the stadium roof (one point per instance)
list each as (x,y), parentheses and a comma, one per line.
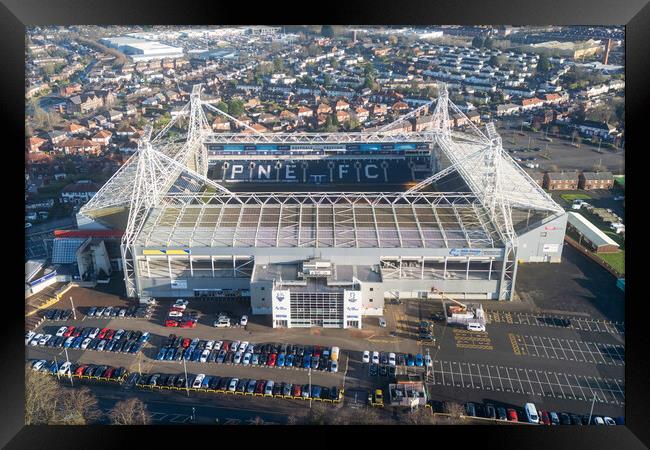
(421,220)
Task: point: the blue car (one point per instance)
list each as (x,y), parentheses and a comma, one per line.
(161,354)
(91,311)
(196,355)
(418,360)
(280,360)
(315,391)
(77,342)
(306,362)
(206,382)
(136,348)
(289,361)
(409,360)
(314,363)
(169,356)
(54,368)
(188,353)
(144,338)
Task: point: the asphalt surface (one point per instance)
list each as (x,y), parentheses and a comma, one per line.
(561,347)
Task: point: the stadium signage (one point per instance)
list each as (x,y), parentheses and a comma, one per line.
(179,284)
(473,252)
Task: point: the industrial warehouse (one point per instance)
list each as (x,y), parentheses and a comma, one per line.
(327,258)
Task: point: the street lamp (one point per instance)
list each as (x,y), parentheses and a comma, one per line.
(68,361)
(74,313)
(187,388)
(310,386)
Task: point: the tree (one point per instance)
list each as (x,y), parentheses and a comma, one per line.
(421,416)
(130,412)
(543,65)
(477,42)
(223,106)
(334,63)
(327,80)
(78,407)
(392,39)
(327,31)
(236,107)
(278,65)
(41,398)
(330,127)
(488,42)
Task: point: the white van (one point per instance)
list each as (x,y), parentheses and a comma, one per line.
(577,204)
(475,326)
(335,354)
(531,413)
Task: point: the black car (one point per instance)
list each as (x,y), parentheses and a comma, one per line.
(94,343)
(132,380)
(241,385)
(277,388)
(275,348)
(128,334)
(334,393)
(58,314)
(297,361)
(223,384)
(229,357)
(391,371)
(300,351)
(373,370)
(480,410)
(263,359)
(180,381)
(501,414)
(585,419)
(115,312)
(170,381)
(470,409)
(575,420)
(383,358)
(283,348)
(170,340)
(490,412)
(65,315)
(383,371)
(565,419)
(401,360)
(214,383)
(119,372)
(137,335)
(49,315)
(325,393)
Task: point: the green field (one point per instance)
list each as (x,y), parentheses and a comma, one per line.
(620,179)
(571,197)
(616,260)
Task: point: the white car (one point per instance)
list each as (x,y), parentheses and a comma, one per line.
(366,356)
(234,346)
(35,339)
(67,342)
(179,306)
(93,334)
(217,345)
(334,367)
(250,348)
(268,390)
(204,355)
(175,314)
(118,334)
(233,384)
(29,336)
(86,342)
(237,358)
(101,345)
(242,346)
(244,321)
(247,359)
(180,301)
(428,361)
(44,339)
(475,327)
(382,322)
(598,421)
(609,421)
(391,359)
(65,368)
(375,357)
(209,345)
(198,380)
(60,332)
(38,364)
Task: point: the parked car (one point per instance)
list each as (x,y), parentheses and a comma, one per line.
(501,413)
(375,357)
(243,321)
(531,413)
(198,380)
(470,409)
(250,389)
(232,386)
(365,357)
(512,415)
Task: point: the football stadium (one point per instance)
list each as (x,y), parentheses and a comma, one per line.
(320,229)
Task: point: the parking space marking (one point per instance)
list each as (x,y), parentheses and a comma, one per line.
(556,321)
(528,382)
(567,349)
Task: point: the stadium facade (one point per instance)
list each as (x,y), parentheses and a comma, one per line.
(327,258)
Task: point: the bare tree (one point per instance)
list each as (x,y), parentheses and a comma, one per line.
(292,420)
(258,421)
(41,398)
(455,411)
(130,412)
(78,407)
(421,416)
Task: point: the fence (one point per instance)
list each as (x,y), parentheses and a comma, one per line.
(593,257)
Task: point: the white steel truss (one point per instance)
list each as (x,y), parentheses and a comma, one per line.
(169,177)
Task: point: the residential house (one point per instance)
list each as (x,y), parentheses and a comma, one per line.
(221,123)
(341,105)
(34,144)
(596,180)
(507,109)
(79,192)
(361,113)
(102,138)
(69,90)
(599,129)
(56,137)
(561,181)
(126,131)
(114,116)
(305,112)
(252,103)
(342,116)
(323,108)
(74,128)
(78,146)
(531,103)
(130,110)
(128,147)
(267,118)
(459,120)
(474,116)
(400,107)
(379,109)
(257,127)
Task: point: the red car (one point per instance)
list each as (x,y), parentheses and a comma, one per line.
(297,390)
(512,415)
(108,373)
(174,308)
(187,324)
(259,389)
(545,418)
(102,334)
(171,323)
(272,359)
(77,332)
(109,335)
(80,370)
(225,346)
(69,332)
(317,351)
(186,342)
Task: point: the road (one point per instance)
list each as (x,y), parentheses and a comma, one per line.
(51,225)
